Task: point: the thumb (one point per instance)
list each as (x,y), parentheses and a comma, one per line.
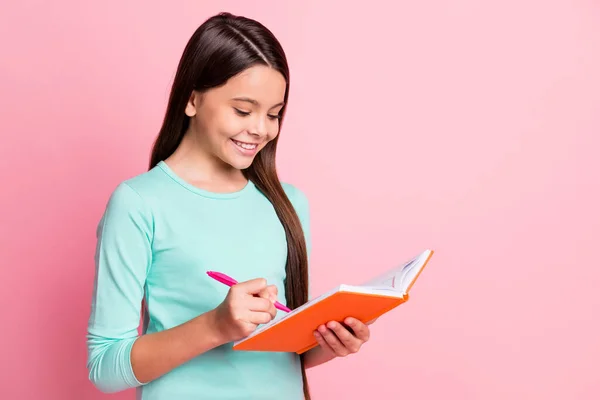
(253,286)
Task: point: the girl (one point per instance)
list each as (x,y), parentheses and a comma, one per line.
(211,200)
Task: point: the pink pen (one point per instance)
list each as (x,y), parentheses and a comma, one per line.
(229,281)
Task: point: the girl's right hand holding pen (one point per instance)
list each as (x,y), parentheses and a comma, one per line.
(247,305)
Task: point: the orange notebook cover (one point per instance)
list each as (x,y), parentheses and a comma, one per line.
(293,332)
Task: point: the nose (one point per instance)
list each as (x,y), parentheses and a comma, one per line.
(259,127)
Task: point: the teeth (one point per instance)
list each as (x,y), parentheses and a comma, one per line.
(245,145)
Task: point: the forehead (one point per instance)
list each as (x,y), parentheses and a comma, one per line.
(260,83)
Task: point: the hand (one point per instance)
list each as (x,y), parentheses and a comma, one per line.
(339,341)
(247,305)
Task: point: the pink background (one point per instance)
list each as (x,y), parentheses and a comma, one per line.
(469,127)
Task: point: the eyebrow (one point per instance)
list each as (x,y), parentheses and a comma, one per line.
(252,101)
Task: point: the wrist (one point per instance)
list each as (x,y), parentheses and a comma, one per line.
(317,356)
(208,325)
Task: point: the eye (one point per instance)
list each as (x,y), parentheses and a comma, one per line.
(240,112)
(274,117)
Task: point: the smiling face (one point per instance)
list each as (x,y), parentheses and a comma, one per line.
(233,122)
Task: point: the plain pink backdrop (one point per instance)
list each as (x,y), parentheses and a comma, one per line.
(468,127)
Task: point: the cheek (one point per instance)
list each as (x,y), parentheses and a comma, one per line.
(273,132)
(231,125)
(221,127)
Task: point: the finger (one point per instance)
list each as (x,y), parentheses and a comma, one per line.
(350,342)
(259,304)
(259,318)
(253,286)
(262,305)
(322,343)
(332,340)
(269,292)
(361,330)
(273,291)
(272,310)
(371,321)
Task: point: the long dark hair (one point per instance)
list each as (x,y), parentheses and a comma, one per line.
(223,46)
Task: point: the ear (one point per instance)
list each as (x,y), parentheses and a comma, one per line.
(192,104)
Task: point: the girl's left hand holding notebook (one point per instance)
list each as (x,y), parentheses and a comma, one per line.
(339,340)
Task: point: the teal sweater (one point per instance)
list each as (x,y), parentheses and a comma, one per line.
(156,240)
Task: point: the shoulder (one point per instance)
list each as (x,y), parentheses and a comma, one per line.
(296,195)
(299,201)
(134,195)
(125,210)
(147,183)
(124,195)
(139,189)
(126,205)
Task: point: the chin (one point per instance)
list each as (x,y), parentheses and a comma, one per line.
(238,164)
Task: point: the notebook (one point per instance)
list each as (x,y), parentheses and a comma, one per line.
(293,332)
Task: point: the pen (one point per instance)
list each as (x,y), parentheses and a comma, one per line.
(229,281)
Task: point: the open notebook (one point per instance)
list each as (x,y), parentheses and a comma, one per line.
(293,332)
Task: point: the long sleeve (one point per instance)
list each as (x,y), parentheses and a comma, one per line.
(123,258)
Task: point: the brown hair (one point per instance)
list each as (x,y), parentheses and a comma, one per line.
(223,46)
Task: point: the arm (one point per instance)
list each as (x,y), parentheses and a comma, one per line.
(123,257)
(157,353)
(317,356)
(118,358)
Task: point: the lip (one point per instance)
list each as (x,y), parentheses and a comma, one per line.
(245,152)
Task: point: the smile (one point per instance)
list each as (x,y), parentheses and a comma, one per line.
(245,146)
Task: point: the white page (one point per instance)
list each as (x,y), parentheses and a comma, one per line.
(400,277)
